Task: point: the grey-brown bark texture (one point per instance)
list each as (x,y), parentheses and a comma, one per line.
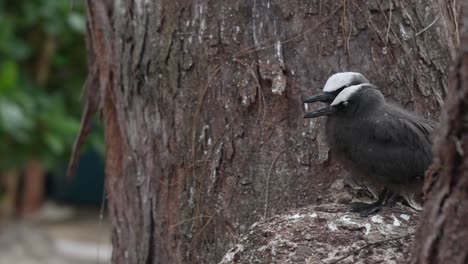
(327,234)
(444,227)
(202,107)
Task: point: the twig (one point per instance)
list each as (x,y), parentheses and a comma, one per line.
(188,220)
(389,21)
(394,60)
(426,28)
(211,151)
(205,225)
(246,65)
(346,32)
(369,245)
(201,99)
(268,178)
(231,232)
(252,48)
(195,123)
(196,117)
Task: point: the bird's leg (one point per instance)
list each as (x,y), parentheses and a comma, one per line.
(391,199)
(365,209)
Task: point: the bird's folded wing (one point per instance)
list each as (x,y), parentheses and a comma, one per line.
(402,146)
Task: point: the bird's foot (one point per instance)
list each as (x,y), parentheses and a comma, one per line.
(391,200)
(365,209)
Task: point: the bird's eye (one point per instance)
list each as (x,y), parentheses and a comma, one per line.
(345,103)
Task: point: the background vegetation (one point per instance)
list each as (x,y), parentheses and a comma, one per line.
(42,70)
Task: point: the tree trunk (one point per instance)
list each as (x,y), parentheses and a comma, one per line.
(203,110)
(34,186)
(9,188)
(444,228)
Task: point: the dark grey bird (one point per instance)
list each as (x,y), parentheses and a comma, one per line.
(384,142)
(334,85)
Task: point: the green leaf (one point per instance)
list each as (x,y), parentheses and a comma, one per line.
(13,120)
(53,28)
(54,143)
(8,76)
(17,49)
(77,22)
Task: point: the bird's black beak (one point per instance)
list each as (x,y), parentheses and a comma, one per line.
(328,110)
(322,97)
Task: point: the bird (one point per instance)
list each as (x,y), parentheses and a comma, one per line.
(382,141)
(335,84)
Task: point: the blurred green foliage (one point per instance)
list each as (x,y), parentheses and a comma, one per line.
(42,70)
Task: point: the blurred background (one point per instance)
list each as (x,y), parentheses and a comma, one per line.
(46,217)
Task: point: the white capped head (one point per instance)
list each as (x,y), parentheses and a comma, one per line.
(342,79)
(344,95)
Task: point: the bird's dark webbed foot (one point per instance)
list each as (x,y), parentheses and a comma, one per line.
(386,198)
(365,209)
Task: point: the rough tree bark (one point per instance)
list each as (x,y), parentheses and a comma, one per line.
(444,229)
(202,107)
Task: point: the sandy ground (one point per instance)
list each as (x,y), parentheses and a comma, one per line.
(57,235)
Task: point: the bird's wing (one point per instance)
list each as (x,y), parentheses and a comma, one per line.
(426,126)
(401,149)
